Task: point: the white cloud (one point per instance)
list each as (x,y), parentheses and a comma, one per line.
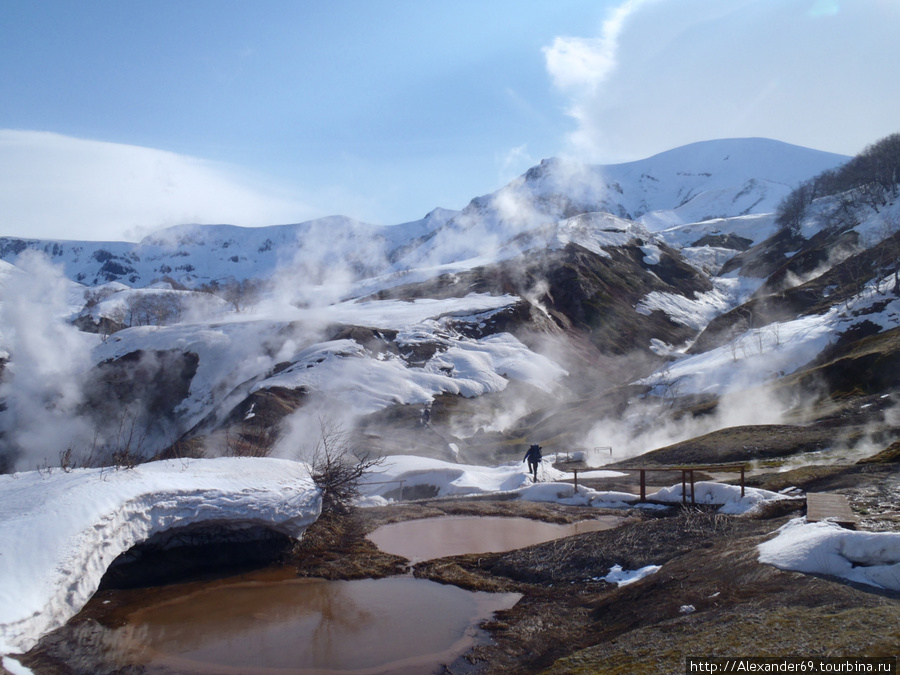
(663,73)
(585,63)
(55,186)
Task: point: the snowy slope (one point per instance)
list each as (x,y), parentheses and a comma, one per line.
(755,228)
(196,254)
(61,531)
(701,181)
(238,355)
(714,179)
(756,355)
(759,355)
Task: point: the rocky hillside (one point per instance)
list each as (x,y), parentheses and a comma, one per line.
(631,306)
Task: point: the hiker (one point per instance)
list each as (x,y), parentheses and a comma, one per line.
(426,416)
(533,457)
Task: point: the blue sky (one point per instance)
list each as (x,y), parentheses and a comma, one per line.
(117,118)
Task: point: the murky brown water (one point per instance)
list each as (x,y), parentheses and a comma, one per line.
(270,622)
(395,625)
(429,538)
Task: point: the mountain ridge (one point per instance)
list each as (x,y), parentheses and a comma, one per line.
(553,190)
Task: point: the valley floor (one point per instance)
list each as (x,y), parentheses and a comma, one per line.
(710,597)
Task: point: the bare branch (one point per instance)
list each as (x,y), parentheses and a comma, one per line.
(337,466)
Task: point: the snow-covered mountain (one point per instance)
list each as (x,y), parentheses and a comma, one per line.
(699,182)
(547,309)
(194,254)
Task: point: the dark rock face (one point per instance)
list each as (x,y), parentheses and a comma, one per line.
(134,399)
(580,291)
(157,380)
(725,240)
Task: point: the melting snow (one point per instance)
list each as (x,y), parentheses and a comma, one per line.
(449,479)
(621,577)
(729,496)
(871,558)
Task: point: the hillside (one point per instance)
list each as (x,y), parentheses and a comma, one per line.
(578,306)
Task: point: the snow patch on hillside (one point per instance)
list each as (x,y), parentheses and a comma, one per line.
(696,313)
(237,356)
(780,348)
(344,371)
(756,228)
(755,357)
(596,232)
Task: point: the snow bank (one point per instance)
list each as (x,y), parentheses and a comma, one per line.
(447,479)
(564,493)
(729,496)
(705,493)
(61,531)
(871,558)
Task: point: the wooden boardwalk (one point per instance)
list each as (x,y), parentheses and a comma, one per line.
(829,506)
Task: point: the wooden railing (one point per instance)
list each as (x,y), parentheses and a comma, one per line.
(687,476)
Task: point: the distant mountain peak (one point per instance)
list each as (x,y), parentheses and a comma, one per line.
(697,182)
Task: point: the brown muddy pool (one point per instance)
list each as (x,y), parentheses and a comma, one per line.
(304,626)
(270,622)
(430,538)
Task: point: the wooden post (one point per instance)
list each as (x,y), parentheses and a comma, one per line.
(643,486)
(692,488)
(742,481)
(575,471)
(683,486)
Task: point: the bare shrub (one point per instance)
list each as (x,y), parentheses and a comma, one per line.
(337,464)
(67,460)
(126,450)
(120,447)
(159,309)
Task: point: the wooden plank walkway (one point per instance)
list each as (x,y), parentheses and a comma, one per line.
(829,506)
